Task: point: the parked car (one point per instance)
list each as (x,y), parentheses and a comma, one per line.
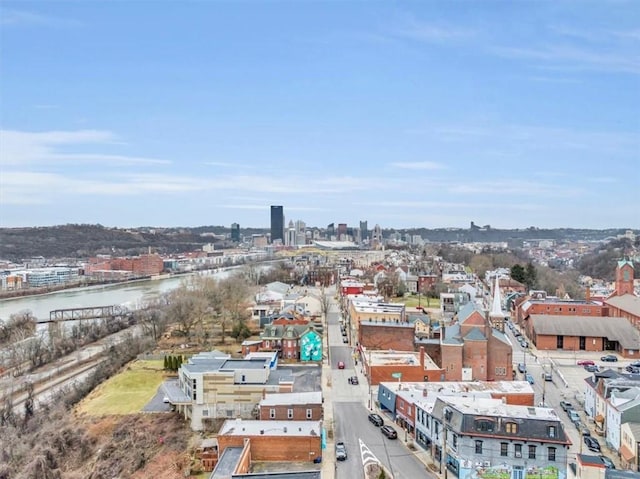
(585,431)
(376,419)
(389,432)
(585,362)
(522,368)
(608,463)
(547,376)
(524,343)
(345,339)
(591,443)
(573,415)
(635,364)
(340,365)
(592,368)
(353,380)
(609,358)
(565,405)
(529,378)
(341,451)
(633,369)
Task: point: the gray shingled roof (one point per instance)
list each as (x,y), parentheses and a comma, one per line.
(475,335)
(614,329)
(626,302)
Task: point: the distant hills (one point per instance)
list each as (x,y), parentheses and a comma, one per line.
(84,240)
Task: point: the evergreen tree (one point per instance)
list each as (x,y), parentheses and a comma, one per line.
(530,276)
(518,273)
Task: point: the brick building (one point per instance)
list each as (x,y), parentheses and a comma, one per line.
(304,406)
(623,302)
(471,350)
(143,265)
(397,335)
(578,333)
(387,365)
(287,441)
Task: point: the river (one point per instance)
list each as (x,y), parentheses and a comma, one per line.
(132,295)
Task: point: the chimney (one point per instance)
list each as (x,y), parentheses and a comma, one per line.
(422,357)
(587,294)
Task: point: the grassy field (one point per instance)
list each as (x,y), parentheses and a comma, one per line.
(127,392)
(412,301)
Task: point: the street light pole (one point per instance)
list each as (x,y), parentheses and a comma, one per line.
(370,390)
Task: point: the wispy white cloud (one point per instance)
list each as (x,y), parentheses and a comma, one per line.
(447,205)
(261,207)
(418,165)
(11,17)
(22,148)
(514,187)
(431,32)
(224,164)
(565,57)
(533,137)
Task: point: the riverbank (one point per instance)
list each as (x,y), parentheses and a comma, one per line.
(22,293)
(87,285)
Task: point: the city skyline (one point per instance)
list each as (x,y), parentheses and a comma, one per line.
(429,115)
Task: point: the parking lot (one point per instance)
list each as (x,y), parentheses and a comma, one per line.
(567,384)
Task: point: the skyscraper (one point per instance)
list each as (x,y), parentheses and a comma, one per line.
(235,232)
(364,230)
(277,224)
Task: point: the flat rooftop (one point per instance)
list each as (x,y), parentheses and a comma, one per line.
(240,427)
(278,399)
(457,387)
(404,358)
(495,407)
(236,364)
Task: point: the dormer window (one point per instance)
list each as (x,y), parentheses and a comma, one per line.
(484,425)
(511,428)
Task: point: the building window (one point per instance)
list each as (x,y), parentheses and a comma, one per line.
(289,413)
(552,431)
(551,454)
(205,412)
(272,413)
(309,414)
(517,450)
(478,447)
(504,449)
(511,428)
(501,371)
(454,441)
(532,452)
(484,426)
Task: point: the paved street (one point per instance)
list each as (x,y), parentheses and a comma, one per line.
(568,385)
(350,416)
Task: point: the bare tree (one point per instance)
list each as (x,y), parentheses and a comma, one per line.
(187,308)
(153,321)
(19,326)
(325,301)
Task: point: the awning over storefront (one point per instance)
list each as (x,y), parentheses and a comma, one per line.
(599,418)
(627,454)
(404,418)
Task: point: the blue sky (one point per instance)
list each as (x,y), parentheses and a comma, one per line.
(406,114)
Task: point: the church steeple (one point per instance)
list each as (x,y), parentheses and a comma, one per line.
(496,316)
(624,277)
